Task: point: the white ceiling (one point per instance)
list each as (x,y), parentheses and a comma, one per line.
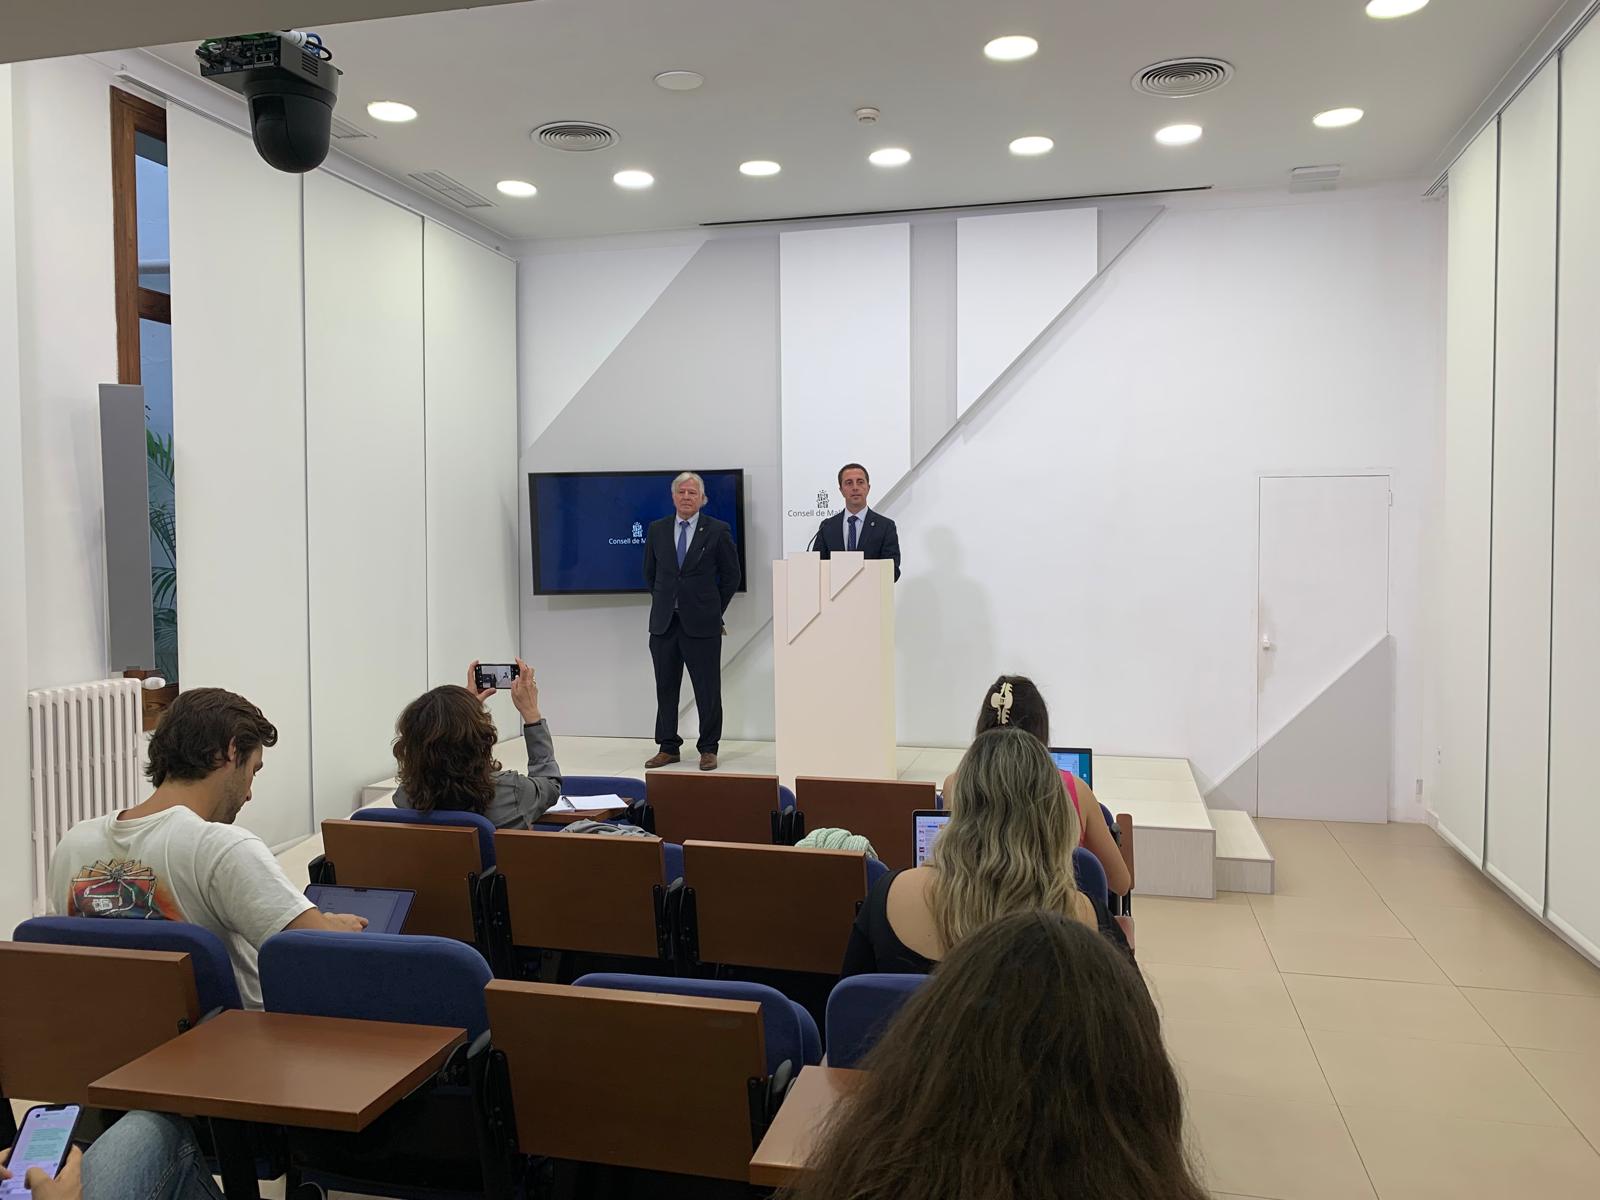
(783,79)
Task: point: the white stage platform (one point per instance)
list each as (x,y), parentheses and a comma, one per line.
(1182,848)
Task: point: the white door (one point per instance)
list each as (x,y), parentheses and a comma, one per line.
(1324,669)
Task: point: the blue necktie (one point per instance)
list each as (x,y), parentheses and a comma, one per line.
(853,520)
(683,541)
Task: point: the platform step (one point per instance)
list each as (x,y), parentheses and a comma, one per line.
(1244,864)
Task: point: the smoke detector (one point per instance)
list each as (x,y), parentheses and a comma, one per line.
(1180,78)
(574,135)
(868,115)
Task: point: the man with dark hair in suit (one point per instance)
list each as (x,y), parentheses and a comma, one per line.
(692,569)
(858,527)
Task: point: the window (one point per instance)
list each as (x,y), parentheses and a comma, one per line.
(144,334)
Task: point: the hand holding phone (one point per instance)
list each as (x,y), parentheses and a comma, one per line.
(43,1151)
(525,693)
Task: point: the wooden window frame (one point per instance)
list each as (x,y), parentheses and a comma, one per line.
(131,115)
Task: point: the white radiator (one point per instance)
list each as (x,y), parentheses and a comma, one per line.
(86,748)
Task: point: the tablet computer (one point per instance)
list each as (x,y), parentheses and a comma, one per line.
(1077,759)
(385,909)
(927,824)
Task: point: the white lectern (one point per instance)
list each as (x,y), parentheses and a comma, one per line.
(833,666)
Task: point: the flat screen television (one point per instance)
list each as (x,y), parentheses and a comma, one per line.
(588,526)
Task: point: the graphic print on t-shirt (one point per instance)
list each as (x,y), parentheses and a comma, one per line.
(121,887)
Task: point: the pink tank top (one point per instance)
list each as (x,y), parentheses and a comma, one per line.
(1071,780)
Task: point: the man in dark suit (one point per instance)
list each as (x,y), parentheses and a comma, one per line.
(692,568)
(858,527)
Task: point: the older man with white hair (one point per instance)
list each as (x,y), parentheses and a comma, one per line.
(692,569)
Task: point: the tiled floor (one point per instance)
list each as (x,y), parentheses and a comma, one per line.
(1388,1025)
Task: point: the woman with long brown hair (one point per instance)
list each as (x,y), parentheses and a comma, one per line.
(1030,1067)
(444,750)
(1007,848)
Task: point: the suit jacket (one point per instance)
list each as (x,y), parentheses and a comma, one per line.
(880,538)
(702,589)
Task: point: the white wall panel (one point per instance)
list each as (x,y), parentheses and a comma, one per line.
(365,482)
(1015,272)
(1524,418)
(845,308)
(469,300)
(1460,679)
(239,440)
(1574,892)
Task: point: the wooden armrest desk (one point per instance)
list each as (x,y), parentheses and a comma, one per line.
(784,1154)
(244,1068)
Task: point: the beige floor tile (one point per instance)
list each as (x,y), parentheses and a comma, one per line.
(1353,956)
(1221,996)
(1395,833)
(1329,878)
(1393,856)
(1432,1012)
(1356,913)
(1274,1063)
(1289,1150)
(1473,1082)
(1538,1020)
(1573,1081)
(1411,883)
(1416,1156)
(1280,833)
(1499,947)
(1200,934)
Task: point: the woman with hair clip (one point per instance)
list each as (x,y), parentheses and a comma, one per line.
(1007,848)
(1030,1067)
(1014,700)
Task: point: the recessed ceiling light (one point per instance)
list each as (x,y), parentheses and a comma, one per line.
(633,179)
(1014,47)
(759,166)
(1384,10)
(1337,118)
(889,156)
(1178,135)
(520,188)
(680,81)
(391,110)
(1032,145)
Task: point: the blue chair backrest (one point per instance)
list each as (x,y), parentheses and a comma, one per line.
(630,789)
(408,816)
(785,797)
(409,978)
(672,860)
(860,1009)
(876,870)
(214,981)
(790,1033)
(1091,875)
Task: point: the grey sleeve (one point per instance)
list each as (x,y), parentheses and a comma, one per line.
(522,799)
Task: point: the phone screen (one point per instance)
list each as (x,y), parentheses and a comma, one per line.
(495,675)
(42,1142)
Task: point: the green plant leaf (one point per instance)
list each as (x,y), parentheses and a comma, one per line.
(159,452)
(164,588)
(164,528)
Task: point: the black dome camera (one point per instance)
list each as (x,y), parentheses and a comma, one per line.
(290,83)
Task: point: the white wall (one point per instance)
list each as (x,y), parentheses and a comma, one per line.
(16,880)
(1093,523)
(66,349)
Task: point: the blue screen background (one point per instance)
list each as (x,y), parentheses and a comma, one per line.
(583,526)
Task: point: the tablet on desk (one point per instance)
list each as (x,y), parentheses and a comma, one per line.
(1077,759)
(385,909)
(928,823)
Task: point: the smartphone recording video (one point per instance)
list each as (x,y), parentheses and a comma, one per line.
(494,675)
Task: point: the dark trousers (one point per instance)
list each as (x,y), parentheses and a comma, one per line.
(671,652)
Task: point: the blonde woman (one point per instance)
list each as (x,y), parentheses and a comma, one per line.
(1007,848)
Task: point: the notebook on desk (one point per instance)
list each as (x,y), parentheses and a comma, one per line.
(385,909)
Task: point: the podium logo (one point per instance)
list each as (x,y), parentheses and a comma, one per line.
(822,499)
(638,530)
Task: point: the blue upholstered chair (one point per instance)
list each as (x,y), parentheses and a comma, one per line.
(1091,875)
(214,980)
(407,816)
(790,1033)
(860,1009)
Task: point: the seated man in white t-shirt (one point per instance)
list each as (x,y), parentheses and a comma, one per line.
(179,855)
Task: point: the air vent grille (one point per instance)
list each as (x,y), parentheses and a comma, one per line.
(577,136)
(342,130)
(1178,78)
(1315,179)
(452,190)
